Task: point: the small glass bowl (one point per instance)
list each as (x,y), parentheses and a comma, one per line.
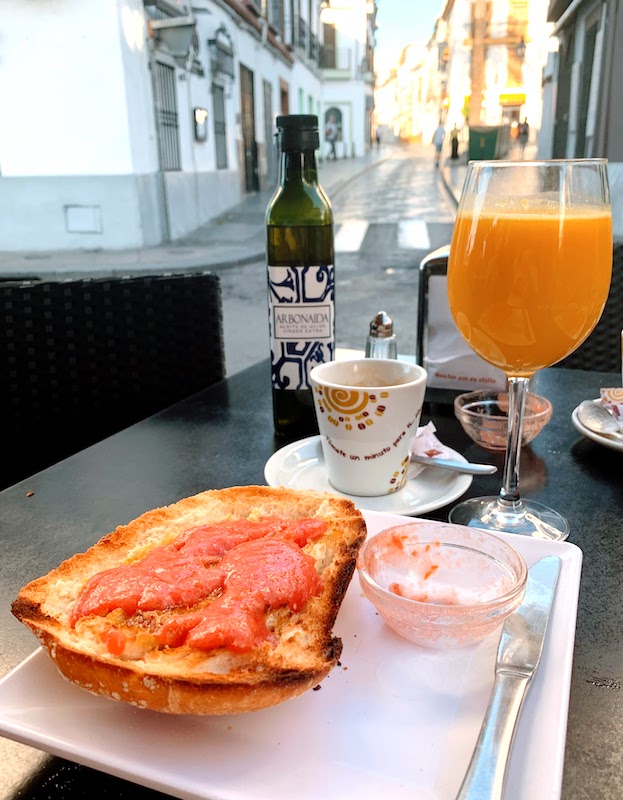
(441,585)
(484,417)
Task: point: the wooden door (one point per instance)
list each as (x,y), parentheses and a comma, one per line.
(247,104)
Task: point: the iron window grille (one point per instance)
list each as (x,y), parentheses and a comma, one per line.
(220,126)
(167,117)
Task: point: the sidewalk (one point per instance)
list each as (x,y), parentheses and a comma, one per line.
(234,238)
(453,175)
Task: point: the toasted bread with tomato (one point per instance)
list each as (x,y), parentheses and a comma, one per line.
(221,603)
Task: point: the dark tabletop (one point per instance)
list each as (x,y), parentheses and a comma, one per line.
(223,437)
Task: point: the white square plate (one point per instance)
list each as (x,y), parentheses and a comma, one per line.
(394,720)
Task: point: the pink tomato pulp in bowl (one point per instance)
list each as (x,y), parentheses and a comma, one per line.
(441,585)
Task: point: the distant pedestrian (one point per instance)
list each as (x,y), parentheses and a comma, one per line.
(378,135)
(438,137)
(330,134)
(523,133)
(454,143)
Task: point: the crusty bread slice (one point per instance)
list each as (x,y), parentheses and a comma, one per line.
(184,680)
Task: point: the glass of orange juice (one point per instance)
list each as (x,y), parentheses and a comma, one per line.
(528,277)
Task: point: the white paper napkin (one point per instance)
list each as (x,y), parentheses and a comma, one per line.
(449,360)
(425,443)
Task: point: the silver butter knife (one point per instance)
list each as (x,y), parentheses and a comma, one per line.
(519,653)
(457,466)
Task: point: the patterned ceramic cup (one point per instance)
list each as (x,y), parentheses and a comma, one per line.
(368,412)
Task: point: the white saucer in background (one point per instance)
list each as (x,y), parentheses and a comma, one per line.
(300,465)
(613,444)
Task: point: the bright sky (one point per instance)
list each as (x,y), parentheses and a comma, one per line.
(403,22)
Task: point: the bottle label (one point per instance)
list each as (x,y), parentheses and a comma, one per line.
(302,322)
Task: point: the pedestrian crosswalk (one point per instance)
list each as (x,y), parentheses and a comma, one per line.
(350,235)
(413,234)
(358,235)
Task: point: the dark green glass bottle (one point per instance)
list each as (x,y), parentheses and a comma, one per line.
(301,285)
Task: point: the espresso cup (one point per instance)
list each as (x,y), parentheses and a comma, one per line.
(368,411)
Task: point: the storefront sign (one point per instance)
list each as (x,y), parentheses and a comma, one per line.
(512,99)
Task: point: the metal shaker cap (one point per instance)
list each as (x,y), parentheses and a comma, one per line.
(382,326)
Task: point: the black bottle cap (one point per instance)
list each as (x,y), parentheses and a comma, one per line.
(298,132)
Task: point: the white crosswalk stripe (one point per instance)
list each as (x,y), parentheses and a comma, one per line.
(413,234)
(404,235)
(350,235)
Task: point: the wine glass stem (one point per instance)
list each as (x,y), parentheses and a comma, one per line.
(517,391)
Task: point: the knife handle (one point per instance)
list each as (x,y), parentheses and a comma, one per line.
(484,779)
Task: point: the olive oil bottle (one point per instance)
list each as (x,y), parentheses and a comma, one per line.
(301,284)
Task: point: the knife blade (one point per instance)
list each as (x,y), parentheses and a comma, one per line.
(518,657)
(458,466)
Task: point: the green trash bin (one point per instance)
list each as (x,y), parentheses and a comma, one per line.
(483,142)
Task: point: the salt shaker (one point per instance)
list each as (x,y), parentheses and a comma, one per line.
(381,342)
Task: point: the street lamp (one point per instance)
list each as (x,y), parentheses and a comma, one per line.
(176,34)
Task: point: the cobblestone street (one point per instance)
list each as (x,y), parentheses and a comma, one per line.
(386,220)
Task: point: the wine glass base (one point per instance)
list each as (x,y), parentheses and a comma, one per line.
(523,517)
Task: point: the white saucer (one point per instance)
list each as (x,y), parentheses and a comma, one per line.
(613,444)
(300,465)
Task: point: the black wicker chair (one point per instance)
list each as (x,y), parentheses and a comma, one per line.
(601,352)
(82,359)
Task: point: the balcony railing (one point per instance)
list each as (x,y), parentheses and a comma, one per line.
(366,69)
(336,58)
(314,48)
(307,42)
(302,39)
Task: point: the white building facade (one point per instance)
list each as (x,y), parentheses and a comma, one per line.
(127,123)
(495,55)
(411,87)
(386,107)
(348,72)
(583,90)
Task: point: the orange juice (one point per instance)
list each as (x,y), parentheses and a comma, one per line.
(526,288)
